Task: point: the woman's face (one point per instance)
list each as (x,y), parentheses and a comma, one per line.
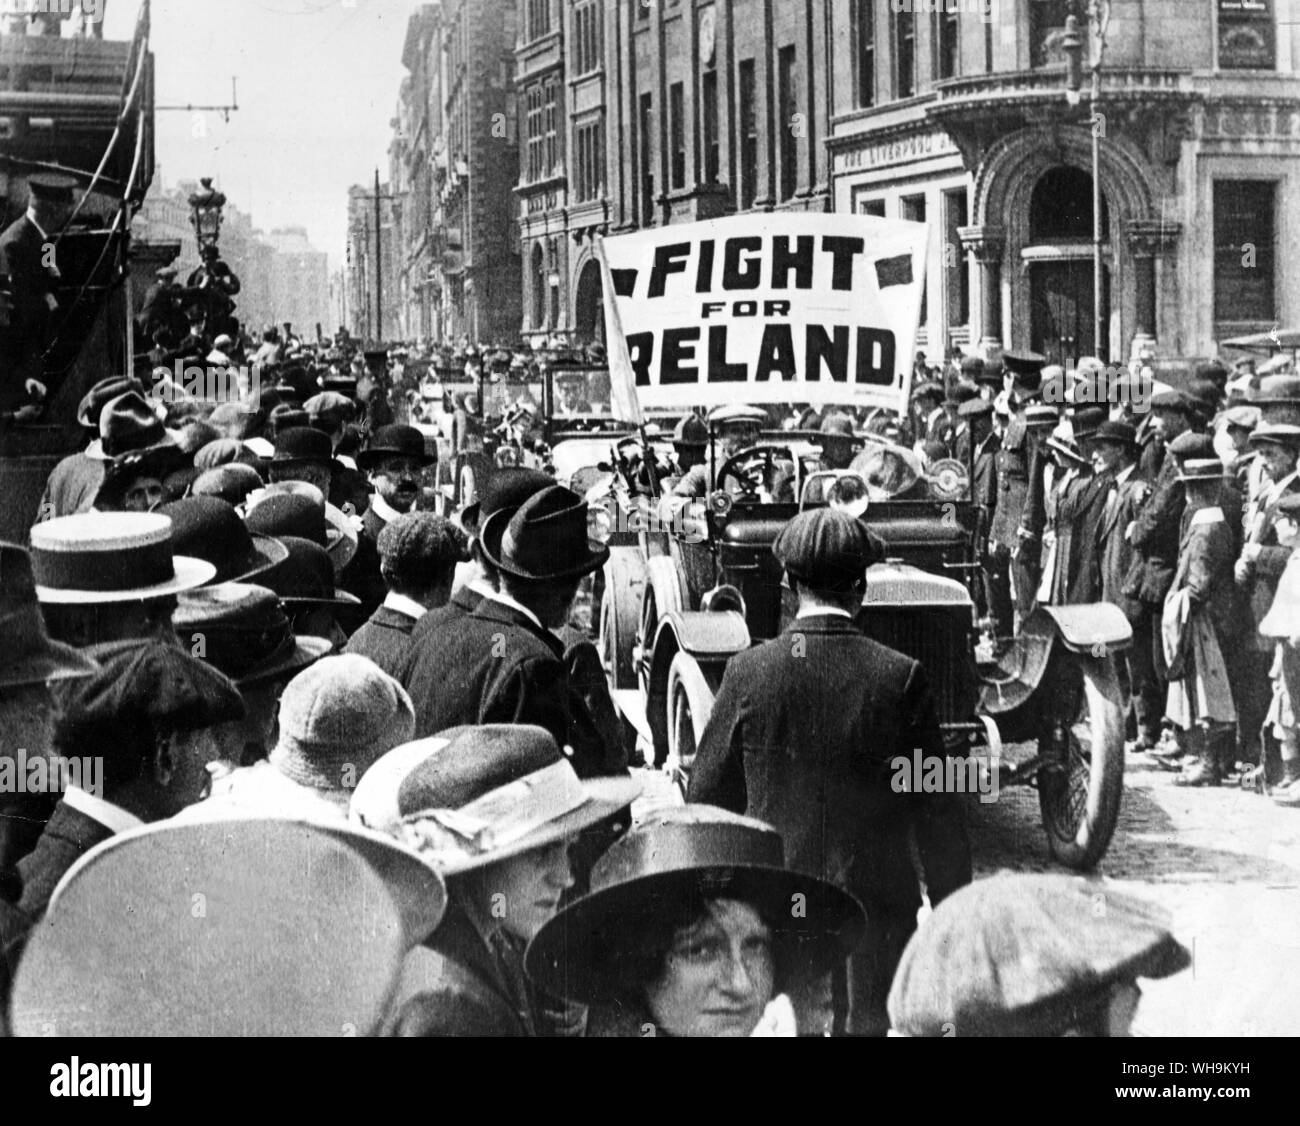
(525,891)
(718,975)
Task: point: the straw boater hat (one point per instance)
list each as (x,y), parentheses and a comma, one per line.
(286,929)
(29,656)
(473,796)
(1277,434)
(693,849)
(1202,469)
(111,557)
(1026,955)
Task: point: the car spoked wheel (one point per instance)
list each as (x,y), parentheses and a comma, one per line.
(690,703)
(1081,781)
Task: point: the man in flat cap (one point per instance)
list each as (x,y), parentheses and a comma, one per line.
(148,715)
(803,734)
(418,554)
(27,259)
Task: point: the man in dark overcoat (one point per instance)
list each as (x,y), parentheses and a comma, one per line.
(807,733)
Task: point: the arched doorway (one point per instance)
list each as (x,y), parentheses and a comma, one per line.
(1060,259)
(589,305)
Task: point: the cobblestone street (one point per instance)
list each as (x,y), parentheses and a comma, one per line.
(1225,862)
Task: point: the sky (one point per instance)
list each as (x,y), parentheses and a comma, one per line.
(317,88)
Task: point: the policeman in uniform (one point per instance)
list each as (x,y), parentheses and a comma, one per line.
(27,249)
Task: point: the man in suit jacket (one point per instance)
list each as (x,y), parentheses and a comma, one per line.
(149,711)
(393,460)
(418,554)
(502,663)
(28,260)
(805,734)
(1114,454)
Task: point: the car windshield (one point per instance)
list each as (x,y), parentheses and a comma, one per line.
(502,396)
(581,392)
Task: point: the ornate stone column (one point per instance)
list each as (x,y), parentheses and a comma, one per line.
(987,244)
(1148,239)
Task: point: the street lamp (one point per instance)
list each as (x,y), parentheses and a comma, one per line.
(205,208)
(1072,41)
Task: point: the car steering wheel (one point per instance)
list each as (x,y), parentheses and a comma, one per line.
(751,469)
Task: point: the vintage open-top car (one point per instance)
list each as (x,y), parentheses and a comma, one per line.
(701,584)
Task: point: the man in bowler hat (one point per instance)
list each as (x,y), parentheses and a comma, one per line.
(804,734)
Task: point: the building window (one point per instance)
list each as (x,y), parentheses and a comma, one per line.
(1247,35)
(874,207)
(642,8)
(552,127)
(709,125)
(912,208)
(748,134)
(536,137)
(1046,22)
(945,42)
(787,99)
(539,18)
(865,29)
(904,52)
(587,37)
(553,283)
(539,286)
(590,141)
(988,44)
(1243,250)
(677,128)
(647,162)
(955,267)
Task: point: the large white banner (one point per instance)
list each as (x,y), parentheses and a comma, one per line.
(777,308)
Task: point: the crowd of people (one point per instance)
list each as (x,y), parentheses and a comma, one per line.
(1176,505)
(251,620)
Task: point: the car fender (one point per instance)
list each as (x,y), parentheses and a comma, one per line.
(1095,629)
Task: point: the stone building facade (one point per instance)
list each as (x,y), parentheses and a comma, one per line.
(960,116)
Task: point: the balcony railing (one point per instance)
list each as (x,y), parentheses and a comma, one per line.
(1047,85)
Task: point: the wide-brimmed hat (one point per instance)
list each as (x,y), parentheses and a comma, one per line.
(503,489)
(473,796)
(111,557)
(104,392)
(160,463)
(209,528)
(307,578)
(302,445)
(1067,447)
(928,389)
(394,441)
(693,850)
(544,539)
(299,508)
(1121,433)
(232,483)
(242,631)
(690,433)
(1242,418)
(127,423)
(1024,955)
(301,933)
(1276,433)
(1277,389)
(1202,469)
(29,656)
